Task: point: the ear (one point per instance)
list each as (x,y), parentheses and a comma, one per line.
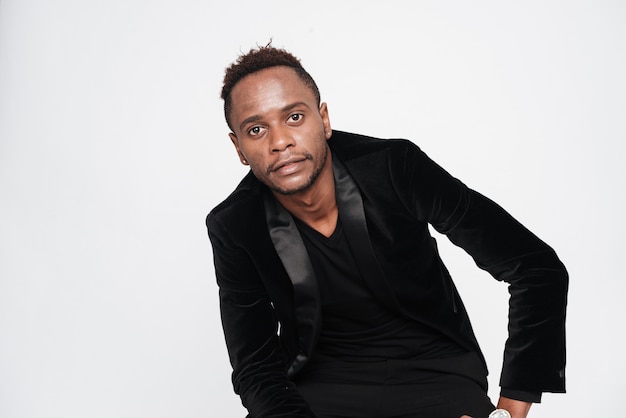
(235,141)
(328,132)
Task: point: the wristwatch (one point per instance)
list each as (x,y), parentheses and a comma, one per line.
(500,413)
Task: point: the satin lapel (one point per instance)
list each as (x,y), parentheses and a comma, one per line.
(352,214)
(295,259)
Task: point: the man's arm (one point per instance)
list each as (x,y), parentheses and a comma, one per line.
(534,357)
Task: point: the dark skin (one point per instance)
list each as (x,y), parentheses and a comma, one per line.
(281,133)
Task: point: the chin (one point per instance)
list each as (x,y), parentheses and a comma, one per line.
(292,189)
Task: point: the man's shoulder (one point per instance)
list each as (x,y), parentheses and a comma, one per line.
(352,145)
(240,204)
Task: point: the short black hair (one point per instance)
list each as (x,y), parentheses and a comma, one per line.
(259,59)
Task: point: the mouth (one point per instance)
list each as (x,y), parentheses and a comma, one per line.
(287,165)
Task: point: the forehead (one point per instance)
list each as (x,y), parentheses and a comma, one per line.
(269,87)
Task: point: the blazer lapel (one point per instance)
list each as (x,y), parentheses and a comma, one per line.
(352,214)
(292,252)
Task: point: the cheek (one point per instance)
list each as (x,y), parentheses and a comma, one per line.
(245,152)
(253,157)
(249,154)
(258,171)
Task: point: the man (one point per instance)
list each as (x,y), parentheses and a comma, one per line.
(334,300)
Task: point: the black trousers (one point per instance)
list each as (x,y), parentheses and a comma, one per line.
(439,388)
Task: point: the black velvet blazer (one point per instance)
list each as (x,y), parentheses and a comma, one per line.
(388,191)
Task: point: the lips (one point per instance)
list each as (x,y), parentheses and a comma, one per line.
(287,165)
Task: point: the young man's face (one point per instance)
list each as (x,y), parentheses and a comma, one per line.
(279,130)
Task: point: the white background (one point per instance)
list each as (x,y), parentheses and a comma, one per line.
(113,148)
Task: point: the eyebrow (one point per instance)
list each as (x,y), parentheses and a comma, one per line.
(285,109)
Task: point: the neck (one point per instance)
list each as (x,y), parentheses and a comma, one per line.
(315,206)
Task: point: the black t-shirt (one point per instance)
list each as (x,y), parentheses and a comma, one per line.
(355,324)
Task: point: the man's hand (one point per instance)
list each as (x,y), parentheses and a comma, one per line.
(517,409)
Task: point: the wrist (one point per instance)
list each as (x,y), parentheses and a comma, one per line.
(516,409)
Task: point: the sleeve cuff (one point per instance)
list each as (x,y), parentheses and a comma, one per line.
(521,395)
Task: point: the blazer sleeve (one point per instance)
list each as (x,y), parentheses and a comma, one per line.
(534,354)
(250,328)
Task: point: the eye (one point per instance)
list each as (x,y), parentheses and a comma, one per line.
(255,131)
(296,117)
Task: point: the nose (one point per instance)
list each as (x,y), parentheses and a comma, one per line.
(280,140)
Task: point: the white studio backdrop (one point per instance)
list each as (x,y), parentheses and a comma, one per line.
(113,148)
